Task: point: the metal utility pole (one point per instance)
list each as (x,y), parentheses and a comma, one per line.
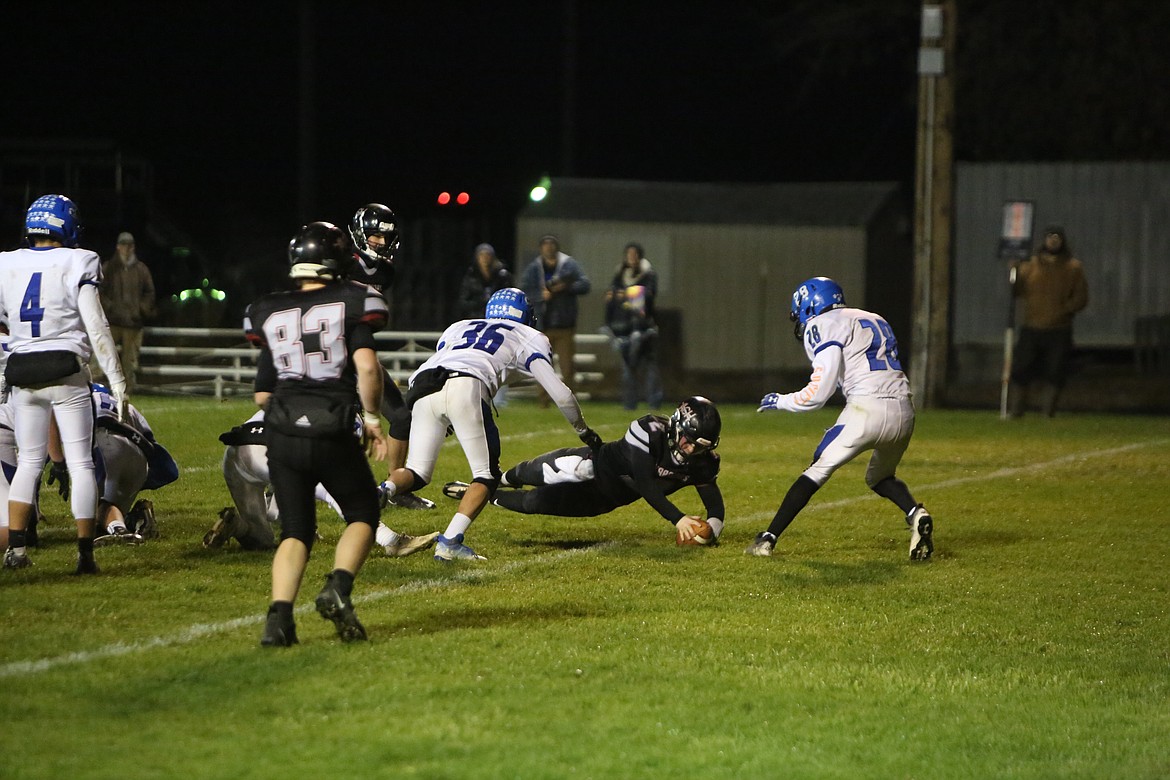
(933,203)
(569,91)
(307,136)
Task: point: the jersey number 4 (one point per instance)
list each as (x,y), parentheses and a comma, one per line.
(31,310)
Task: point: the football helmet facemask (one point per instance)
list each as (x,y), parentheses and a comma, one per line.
(814,296)
(370,219)
(509,303)
(319,251)
(696,421)
(53,216)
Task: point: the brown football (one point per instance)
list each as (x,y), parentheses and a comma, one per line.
(703,536)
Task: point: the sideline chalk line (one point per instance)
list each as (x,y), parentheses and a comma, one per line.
(200,630)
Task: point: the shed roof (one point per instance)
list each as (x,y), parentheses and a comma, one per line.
(820,204)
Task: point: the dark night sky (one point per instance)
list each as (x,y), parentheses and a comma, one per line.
(415,97)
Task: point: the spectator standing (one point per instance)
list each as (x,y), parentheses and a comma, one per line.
(1052,286)
(630,320)
(127,294)
(485,276)
(552,282)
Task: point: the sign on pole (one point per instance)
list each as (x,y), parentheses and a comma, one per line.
(1015,244)
(1015,241)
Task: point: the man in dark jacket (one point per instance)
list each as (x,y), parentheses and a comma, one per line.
(552,282)
(127,294)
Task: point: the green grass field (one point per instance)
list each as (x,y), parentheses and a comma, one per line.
(1033,645)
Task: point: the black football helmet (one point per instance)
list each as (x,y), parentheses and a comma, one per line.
(370,219)
(319,251)
(697,421)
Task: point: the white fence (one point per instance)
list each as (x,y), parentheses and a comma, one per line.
(220,362)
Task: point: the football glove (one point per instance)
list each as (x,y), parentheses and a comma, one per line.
(591,439)
(770,402)
(59,474)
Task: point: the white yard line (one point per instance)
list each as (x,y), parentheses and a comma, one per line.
(999,474)
(198,631)
(201,630)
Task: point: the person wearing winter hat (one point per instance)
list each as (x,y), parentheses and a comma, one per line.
(127,295)
(1053,289)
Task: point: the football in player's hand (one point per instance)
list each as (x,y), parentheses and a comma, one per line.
(704,535)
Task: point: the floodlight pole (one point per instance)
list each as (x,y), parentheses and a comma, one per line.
(933,203)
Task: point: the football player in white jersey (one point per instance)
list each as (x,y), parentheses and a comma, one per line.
(255,516)
(49,294)
(454,387)
(132,461)
(856,351)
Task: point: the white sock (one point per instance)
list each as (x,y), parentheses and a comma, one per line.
(390,488)
(385,535)
(459,524)
(116,526)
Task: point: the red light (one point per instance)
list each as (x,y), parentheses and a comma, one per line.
(444,198)
(462,199)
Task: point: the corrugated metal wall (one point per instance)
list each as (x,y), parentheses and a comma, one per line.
(1116,217)
(731,283)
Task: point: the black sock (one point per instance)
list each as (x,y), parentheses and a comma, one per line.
(798,495)
(282,608)
(895,490)
(85,547)
(343,580)
(17,539)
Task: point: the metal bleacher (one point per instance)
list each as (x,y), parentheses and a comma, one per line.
(219,362)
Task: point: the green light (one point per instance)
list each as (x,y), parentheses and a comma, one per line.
(206,283)
(184,295)
(219,295)
(540,191)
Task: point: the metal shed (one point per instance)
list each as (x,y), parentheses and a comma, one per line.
(729,255)
(1115,215)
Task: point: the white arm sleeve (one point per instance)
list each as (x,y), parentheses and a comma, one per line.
(542,371)
(94,319)
(826,375)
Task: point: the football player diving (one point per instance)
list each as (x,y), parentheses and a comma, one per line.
(655,458)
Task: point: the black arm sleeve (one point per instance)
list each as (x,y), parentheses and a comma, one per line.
(712,498)
(361,336)
(643,473)
(265,372)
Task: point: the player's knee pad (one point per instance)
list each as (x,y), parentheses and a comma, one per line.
(491,484)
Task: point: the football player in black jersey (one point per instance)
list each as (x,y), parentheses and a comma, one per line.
(317,367)
(376,238)
(656,457)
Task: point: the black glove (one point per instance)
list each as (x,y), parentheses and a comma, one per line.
(590,438)
(59,473)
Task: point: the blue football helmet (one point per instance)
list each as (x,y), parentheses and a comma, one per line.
(815,296)
(509,303)
(53,216)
